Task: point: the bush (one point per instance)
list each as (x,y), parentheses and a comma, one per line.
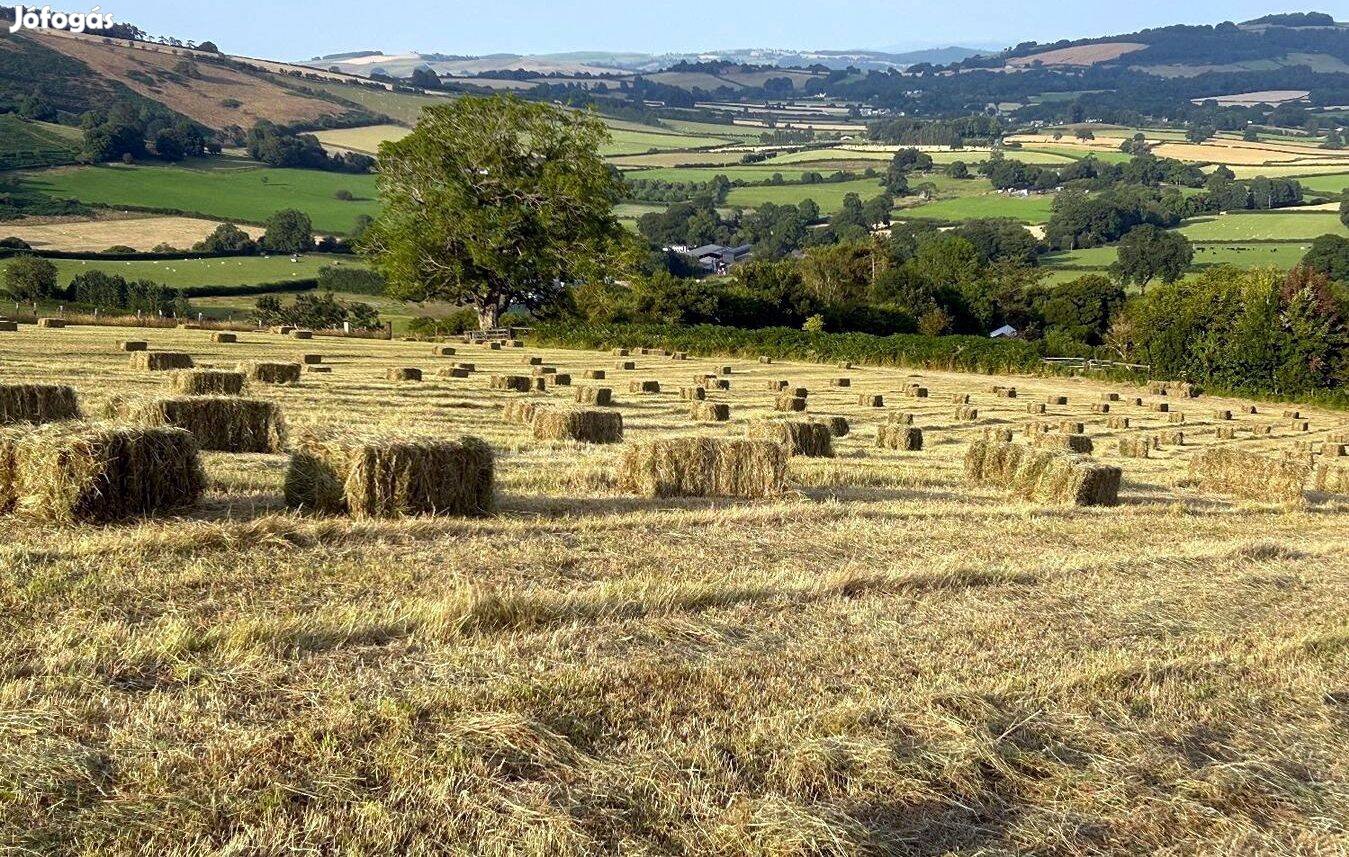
(361,281)
(968,353)
(31,278)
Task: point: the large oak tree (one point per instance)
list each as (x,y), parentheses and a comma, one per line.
(492,202)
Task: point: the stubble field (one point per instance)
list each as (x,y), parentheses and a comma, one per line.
(882,661)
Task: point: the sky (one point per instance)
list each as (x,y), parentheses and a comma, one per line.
(294,30)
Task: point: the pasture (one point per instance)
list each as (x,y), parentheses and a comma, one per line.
(1251,255)
(884,659)
(828,196)
(1263,226)
(194,273)
(226,189)
(1026,209)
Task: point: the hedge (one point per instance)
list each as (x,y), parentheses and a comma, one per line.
(967,353)
(303,284)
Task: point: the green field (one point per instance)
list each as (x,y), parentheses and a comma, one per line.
(810,155)
(625,141)
(240,307)
(1280,255)
(712,129)
(1263,226)
(1030,209)
(829,197)
(35,144)
(706,174)
(1334,184)
(192,273)
(227,189)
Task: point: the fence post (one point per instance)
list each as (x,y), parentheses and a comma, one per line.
(388,330)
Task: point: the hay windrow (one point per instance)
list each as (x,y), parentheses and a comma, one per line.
(1042,475)
(1248,475)
(206,382)
(38,403)
(703,467)
(389,475)
(219,423)
(585,425)
(808,439)
(81,473)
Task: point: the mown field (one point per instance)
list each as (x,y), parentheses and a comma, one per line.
(828,196)
(1263,226)
(224,189)
(1252,255)
(191,273)
(885,660)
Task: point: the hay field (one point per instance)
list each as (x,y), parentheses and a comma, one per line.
(883,661)
(82,235)
(364,139)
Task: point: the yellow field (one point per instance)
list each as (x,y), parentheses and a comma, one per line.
(365,139)
(1218,150)
(883,661)
(82,235)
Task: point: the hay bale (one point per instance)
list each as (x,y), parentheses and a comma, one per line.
(309,359)
(557,379)
(965,413)
(1300,425)
(224,338)
(765,360)
(1222,415)
(80,473)
(1249,409)
(1227,432)
(679,355)
(899,418)
(789,403)
(620,352)
(1035,407)
(543,370)
(594,374)
(1035,427)
(302,334)
(7,326)
(960,398)
(160,361)
(1263,430)
(51,322)
(1056,400)
(584,425)
(467,367)
(1067,442)
(777,386)
(807,439)
(521,411)
(1136,402)
(323,370)
(1331,479)
(798,392)
(626,365)
(916,391)
(1135,447)
(724,370)
(692,394)
(1248,475)
(1170,437)
(868,400)
(719,384)
(270,372)
(710,412)
(1160,407)
(1292,414)
(443,351)
(703,467)
(130,345)
(1175,418)
(440,373)
(1072,427)
(1110,397)
(219,423)
(845,365)
(840,382)
(206,382)
(897,436)
(1001,434)
(1042,475)
(643,386)
(389,475)
(494,346)
(515,343)
(1334,450)
(37,403)
(1117,423)
(512,383)
(284,330)
(1100,408)
(1004,392)
(594,395)
(838,426)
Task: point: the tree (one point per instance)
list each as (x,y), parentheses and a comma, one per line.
(30,278)
(289,231)
(1329,254)
(226,238)
(958,170)
(495,201)
(1149,253)
(1344,208)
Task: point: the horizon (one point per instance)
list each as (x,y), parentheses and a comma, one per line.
(534,27)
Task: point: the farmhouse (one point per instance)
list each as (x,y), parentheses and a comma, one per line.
(717,259)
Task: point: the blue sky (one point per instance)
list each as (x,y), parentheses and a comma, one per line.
(292,30)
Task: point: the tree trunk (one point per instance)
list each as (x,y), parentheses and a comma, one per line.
(489,315)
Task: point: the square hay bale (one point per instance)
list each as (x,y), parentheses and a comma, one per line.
(1100,408)
(160,361)
(679,355)
(1072,427)
(494,346)
(309,359)
(1035,427)
(96,473)
(1117,423)
(620,352)
(897,436)
(807,439)
(51,322)
(693,394)
(789,403)
(594,374)
(1056,400)
(1042,475)
(643,386)
(1156,388)
(284,329)
(1249,409)
(521,411)
(1001,434)
(543,370)
(1227,432)
(1263,430)
(1110,397)
(206,382)
(584,425)
(1331,479)
(224,337)
(1170,437)
(1160,407)
(389,475)
(1136,402)
(514,343)
(1300,425)
(869,400)
(441,373)
(703,467)
(443,351)
(557,379)
(840,382)
(765,360)
(467,367)
(1035,407)
(512,383)
(838,426)
(1135,447)
(899,418)
(1334,450)
(724,370)
(845,365)
(965,413)
(130,345)
(219,423)
(302,334)
(322,370)
(1183,389)
(710,412)
(1338,436)
(270,372)
(916,391)
(960,398)
(1292,414)
(1222,415)
(626,365)
(1175,417)
(1004,392)
(594,395)
(719,383)
(7,326)
(37,403)
(403,373)
(1248,475)
(798,392)
(1066,442)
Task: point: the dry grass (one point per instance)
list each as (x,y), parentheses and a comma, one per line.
(876,659)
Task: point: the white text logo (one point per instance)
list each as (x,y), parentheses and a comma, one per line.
(46,19)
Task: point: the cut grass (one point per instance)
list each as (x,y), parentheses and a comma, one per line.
(1263,226)
(193,273)
(829,197)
